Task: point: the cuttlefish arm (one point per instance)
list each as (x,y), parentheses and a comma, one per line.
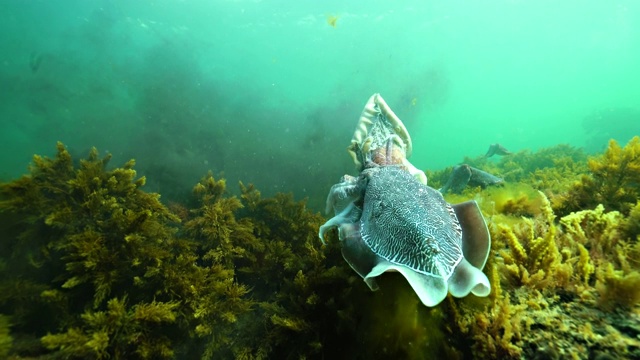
(377,129)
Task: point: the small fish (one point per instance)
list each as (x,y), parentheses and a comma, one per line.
(497,149)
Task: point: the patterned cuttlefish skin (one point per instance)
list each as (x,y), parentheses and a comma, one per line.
(389,220)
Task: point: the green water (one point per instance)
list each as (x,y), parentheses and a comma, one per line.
(269,92)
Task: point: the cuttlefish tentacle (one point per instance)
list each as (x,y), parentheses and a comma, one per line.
(377,125)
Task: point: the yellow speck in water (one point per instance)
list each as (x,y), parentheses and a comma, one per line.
(414,101)
(332,20)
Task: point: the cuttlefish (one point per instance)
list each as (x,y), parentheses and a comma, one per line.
(464,175)
(497,149)
(388,219)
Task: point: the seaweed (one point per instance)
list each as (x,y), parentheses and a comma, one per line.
(613,181)
(631,224)
(119,332)
(551,170)
(567,258)
(619,290)
(97,269)
(215,226)
(559,279)
(306,295)
(6,340)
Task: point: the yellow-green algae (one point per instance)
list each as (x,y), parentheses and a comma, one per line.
(93,267)
(565,284)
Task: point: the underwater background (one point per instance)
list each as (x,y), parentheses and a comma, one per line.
(238,115)
(269,91)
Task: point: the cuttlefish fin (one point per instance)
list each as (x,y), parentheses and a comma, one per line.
(356,253)
(476,243)
(476,240)
(468,279)
(430,289)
